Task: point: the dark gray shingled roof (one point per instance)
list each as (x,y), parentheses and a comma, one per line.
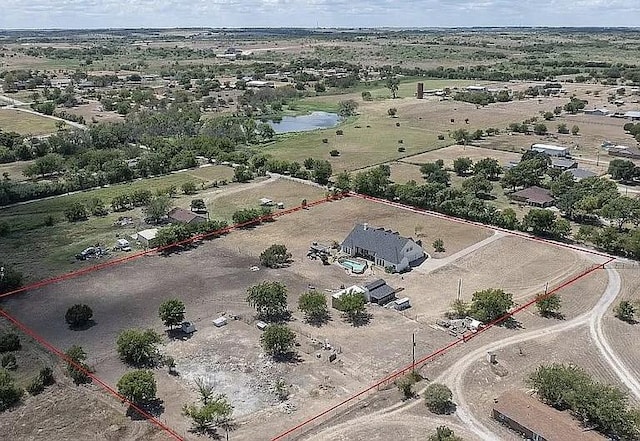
(385,244)
(378,289)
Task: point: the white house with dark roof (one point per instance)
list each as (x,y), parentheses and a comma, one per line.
(383,247)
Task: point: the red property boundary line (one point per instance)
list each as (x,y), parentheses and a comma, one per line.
(207,235)
(465,338)
(61,355)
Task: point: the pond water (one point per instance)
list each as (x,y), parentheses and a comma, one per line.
(304,123)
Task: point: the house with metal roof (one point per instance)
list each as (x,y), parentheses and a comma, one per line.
(537,421)
(383,247)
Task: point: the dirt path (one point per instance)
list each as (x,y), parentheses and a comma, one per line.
(433,264)
(598,337)
(454,376)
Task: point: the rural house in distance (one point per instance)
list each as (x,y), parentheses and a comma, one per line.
(383,247)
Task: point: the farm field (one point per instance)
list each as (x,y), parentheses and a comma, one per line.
(25,123)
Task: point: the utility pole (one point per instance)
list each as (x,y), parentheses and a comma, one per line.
(413,352)
(459,288)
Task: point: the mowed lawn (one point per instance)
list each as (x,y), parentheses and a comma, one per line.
(25,123)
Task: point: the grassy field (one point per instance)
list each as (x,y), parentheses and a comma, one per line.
(25,123)
(40,250)
(15,169)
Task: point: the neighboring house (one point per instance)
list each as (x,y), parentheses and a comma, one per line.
(383,247)
(538,422)
(551,150)
(624,152)
(379,292)
(633,115)
(182,216)
(147,237)
(580,173)
(563,163)
(598,112)
(534,196)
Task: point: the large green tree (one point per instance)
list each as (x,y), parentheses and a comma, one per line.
(171,312)
(216,411)
(437,398)
(462,165)
(157,208)
(549,305)
(490,304)
(393,85)
(138,347)
(477,185)
(78,315)
(352,304)
(278,340)
(138,386)
(269,299)
(276,256)
(314,306)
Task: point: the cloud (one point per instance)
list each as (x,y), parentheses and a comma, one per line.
(309,13)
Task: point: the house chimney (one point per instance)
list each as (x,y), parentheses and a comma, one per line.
(365,226)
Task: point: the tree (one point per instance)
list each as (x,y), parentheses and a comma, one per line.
(137,347)
(393,84)
(278,340)
(215,411)
(76,212)
(352,304)
(138,386)
(625,311)
(76,367)
(198,205)
(392,111)
(549,305)
(462,136)
(540,129)
(157,208)
(78,315)
(366,96)
(488,167)
(539,221)
(276,256)
(10,393)
(563,129)
(171,312)
(622,170)
(620,210)
(242,174)
(462,166)
(437,397)
(269,299)
(9,341)
(45,165)
(189,188)
(434,173)
(554,383)
(548,116)
(322,171)
(575,130)
(490,304)
(347,108)
(343,181)
(443,433)
(477,185)
(438,245)
(314,306)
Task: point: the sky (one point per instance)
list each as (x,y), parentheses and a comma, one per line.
(76,14)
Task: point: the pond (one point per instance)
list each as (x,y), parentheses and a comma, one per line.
(304,123)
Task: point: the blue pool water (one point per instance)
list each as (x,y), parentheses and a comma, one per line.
(354,266)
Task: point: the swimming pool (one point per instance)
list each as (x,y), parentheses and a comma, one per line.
(354,266)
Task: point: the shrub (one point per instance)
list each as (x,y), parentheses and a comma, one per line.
(437,397)
(334,153)
(9,341)
(78,315)
(339,132)
(441,137)
(325,141)
(10,394)
(189,188)
(9,362)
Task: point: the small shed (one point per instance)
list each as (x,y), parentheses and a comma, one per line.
(379,292)
(266,202)
(188,327)
(402,304)
(220,321)
(147,237)
(261,325)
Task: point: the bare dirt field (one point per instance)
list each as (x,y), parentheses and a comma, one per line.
(92,112)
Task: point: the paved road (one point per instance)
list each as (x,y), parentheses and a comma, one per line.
(16,105)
